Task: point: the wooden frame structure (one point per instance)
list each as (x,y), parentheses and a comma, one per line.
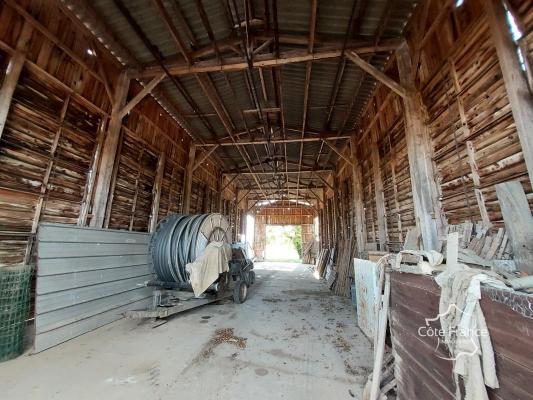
(402,127)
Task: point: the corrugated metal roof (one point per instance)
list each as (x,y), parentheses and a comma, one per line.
(333,21)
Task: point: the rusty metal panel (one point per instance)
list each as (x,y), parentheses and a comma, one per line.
(367,295)
(422,368)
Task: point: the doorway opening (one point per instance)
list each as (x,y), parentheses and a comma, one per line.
(284,243)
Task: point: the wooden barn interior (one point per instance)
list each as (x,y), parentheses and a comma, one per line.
(395,135)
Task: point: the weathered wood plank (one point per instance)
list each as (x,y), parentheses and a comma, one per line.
(518,222)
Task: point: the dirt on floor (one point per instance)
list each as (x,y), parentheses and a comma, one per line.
(292,339)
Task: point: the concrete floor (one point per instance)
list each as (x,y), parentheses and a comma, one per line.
(292,340)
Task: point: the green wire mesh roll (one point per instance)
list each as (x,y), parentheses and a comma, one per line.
(15,285)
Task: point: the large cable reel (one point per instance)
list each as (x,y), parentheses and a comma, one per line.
(180,239)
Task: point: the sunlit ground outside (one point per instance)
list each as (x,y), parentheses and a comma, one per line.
(283,243)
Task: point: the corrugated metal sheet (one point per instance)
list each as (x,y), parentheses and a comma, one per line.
(86,278)
(333,19)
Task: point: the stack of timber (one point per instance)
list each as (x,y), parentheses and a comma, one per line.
(321,262)
(307,256)
(344,267)
(479,246)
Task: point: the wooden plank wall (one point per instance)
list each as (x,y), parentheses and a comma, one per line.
(51,145)
(469,116)
(421,368)
(475,143)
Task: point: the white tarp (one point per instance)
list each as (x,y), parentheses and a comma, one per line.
(208,266)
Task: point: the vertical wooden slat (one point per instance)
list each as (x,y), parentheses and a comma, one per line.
(395,192)
(105,170)
(187,187)
(236,218)
(113,181)
(156,191)
(136,195)
(518,222)
(91,176)
(378,194)
(357,182)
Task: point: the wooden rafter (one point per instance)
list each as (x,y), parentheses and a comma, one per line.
(148,88)
(308,69)
(376,73)
(263,60)
(204,157)
(345,158)
(243,173)
(275,141)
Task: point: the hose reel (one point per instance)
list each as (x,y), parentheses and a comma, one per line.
(180,239)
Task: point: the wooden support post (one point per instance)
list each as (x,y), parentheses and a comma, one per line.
(220,194)
(518,222)
(105,170)
(236,217)
(423,183)
(358,204)
(380,201)
(14,68)
(395,189)
(189,177)
(136,193)
(91,176)
(156,191)
(334,220)
(515,79)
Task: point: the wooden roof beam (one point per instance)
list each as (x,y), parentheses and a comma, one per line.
(263,60)
(314,171)
(204,157)
(376,73)
(345,158)
(308,68)
(148,88)
(274,141)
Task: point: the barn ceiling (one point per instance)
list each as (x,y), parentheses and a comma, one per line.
(268,74)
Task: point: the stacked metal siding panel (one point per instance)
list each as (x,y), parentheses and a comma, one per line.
(86,278)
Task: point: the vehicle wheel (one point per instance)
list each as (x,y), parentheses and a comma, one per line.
(251,277)
(240,292)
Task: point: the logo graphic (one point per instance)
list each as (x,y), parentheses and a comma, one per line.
(455,333)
